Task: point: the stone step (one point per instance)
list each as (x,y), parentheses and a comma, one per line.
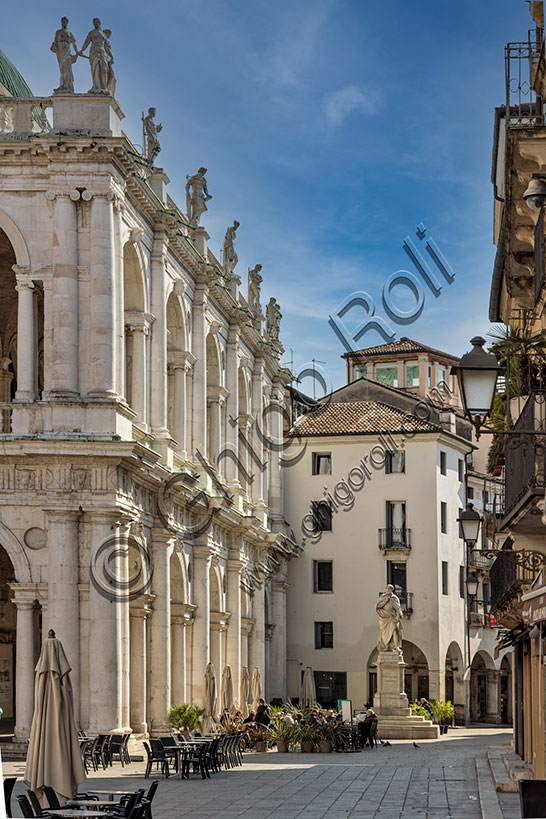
(516,768)
(501,778)
(402,727)
(13,750)
(489,802)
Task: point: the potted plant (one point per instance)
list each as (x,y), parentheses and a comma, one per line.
(185,717)
(329,731)
(257,737)
(282,735)
(443,713)
(308,736)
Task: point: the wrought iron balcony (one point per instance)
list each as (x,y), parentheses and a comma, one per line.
(477,559)
(395,538)
(511,576)
(525,457)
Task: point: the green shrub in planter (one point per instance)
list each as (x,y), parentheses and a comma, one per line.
(281,733)
(186,716)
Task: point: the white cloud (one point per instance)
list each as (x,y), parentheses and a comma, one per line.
(339,104)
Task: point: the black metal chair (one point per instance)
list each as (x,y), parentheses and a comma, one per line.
(51,797)
(115,748)
(26,807)
(35,802)
(9,784)
(170,745)
(156,755)
(532,797)
(196,756)
(125,749)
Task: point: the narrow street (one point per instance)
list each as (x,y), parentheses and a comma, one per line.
(437,780)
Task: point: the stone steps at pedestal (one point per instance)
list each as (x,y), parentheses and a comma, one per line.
(403,727)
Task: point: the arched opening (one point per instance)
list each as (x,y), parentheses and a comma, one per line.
(506,691)
(176,380)
(135,372)
(214,401)
(8,624)
(454,677)
(483,689)
(416,677)
(269,627)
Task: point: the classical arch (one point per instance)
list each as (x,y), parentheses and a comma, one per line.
(416,676)
(484,689)
(179,652)
(17,555)
(214,399)
(506,690)
(22,256)
(454,675)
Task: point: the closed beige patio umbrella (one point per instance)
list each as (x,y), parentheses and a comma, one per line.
(256,687)
(245,690)
(209,702)
(308,693)
(54,757)
(227,689)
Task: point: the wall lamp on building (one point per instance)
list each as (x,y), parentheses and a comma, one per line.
(472,584)
(470,522)
(535,195)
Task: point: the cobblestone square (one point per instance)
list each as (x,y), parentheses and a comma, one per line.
(437,780)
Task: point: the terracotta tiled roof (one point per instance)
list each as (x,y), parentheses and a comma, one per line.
(403,345)
(362,417)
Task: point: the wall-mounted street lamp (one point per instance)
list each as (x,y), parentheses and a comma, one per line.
(470,522)
(472,584)
(535,195)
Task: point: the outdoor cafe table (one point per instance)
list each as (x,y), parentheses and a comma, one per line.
(69,812)
(90,803)
(109,794)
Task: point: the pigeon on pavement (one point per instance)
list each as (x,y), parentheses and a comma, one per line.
(415,745)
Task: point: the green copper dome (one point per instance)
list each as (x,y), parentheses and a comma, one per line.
(11,79)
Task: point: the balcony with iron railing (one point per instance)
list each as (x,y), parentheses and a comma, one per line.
(522,67)
(395,538)
(525,458)
(406,601)
(511,575)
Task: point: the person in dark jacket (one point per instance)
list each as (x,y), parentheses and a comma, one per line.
(262,715)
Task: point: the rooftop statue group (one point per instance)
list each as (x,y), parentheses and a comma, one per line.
(101,63)
(100,58)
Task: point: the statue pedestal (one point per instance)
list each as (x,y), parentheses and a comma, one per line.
(391,703)
(200,238)
(86,115)
(158,181)
(390,698)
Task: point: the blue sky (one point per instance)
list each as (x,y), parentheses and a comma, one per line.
(330,129)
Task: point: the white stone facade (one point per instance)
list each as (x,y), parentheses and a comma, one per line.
(140,423)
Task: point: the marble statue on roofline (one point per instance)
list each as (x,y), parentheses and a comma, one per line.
(229,255)
(197,196)
(254,289)
(100,58)
(273,318)
(61,47)
(151,141)
(390,615)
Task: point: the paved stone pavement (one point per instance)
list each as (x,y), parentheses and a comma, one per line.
(438,780)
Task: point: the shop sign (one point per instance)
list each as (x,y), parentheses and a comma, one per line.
(534,610)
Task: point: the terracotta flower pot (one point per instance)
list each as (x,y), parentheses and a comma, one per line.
(307,747)
(325,746)
(282,747)
(260,746)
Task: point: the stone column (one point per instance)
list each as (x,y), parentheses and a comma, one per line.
(178,652)
(102,333)
(62,361)
(247,624)
(257,651)
(275,416)
(278,640)
(63,614)
(229,464)
(84,664)
(492,698)
(233,644)
(160,666)
(199,388)
(27,352)
(106,601)
(119,297)
(180,363)
(201,624)
(216,654)
(24,666)
(139,615)
(215,397)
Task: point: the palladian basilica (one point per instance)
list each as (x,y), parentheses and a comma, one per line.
(141,419)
